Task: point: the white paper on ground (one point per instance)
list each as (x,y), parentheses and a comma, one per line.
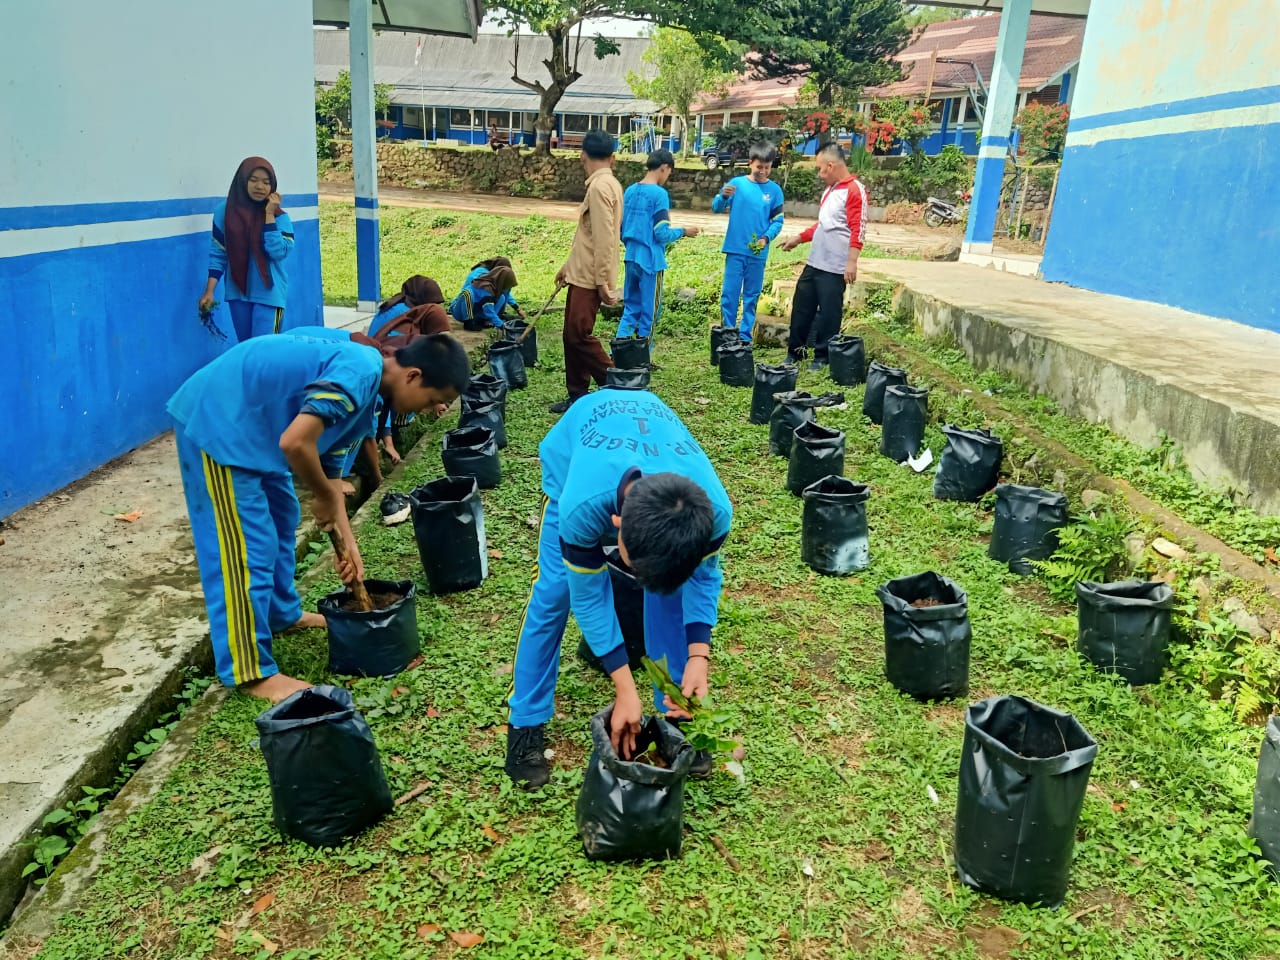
(921,463)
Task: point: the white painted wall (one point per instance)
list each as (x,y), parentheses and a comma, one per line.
(151,99)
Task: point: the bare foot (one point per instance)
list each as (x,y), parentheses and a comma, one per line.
(348,488)
(275,688)
(308,621)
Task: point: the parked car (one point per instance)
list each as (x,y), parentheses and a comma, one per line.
(739,154)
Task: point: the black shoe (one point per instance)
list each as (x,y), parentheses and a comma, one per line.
(526,764)
(395,509)
(652,366)
(796,356)
(701,767)
(817,366)
(561,406)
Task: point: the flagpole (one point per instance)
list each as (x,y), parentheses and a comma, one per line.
(422,90)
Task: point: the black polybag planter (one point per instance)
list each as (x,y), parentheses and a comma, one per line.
(372,643)
(506,360)
(630,352)
(637,379)
(770,379)
(1124,627)
(969,465)
(628,810)
(816,452)
(485,386)
(1026,525)
(926,649)
(1023,774)
(448,523)
(879,378)
(833,531)
(847,359)
(529,345)
(487,414)
(1264,826)
(904,411)
(628,605)
(719,337)
(326,777)
(737,364)
(472,452)
(790,410)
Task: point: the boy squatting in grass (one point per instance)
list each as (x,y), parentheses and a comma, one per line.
(298,404)
(620,462)
(646,232)
(754,203)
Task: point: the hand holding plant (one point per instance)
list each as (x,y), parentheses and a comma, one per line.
(708,728)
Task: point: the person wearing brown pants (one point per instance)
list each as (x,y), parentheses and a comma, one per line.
(591,272)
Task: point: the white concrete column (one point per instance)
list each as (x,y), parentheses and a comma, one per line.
(364,156)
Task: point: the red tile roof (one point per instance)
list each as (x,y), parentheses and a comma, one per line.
(1053,46)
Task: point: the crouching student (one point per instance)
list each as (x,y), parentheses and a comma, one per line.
(508,300)
(754,203)
(480,302)
(646,234)
(265,408)
(417,291)
(622,464)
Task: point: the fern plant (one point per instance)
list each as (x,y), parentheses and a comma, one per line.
(1091,548)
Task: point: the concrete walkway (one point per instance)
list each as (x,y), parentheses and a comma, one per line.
(1212,385)
(100,618)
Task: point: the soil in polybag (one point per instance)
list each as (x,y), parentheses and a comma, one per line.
(448,524)
(737,364)
(906,409)
(1027,520)
(1123,627)
(816,452)
(372,643)
(847,360)
(770,379)
(833,528)
(926,636)
(507,362)
(879,378)
(969,465)
(487,414)
(472,452)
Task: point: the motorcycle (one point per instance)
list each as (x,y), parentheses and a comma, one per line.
(938,211)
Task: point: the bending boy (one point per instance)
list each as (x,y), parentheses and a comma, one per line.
(265,408)
(646,232)
(754,203)
(620,463)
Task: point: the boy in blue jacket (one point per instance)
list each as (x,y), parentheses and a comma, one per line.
(754,203)
(646,232)
(265,408)
(619,463)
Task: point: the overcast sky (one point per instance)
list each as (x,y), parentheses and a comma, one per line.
(607,27)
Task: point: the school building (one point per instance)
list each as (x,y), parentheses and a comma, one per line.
(948,65)
(451,89)
(122,127)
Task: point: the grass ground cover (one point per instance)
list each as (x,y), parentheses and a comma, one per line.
(840,848)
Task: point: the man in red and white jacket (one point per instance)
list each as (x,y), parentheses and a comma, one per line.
(833,261)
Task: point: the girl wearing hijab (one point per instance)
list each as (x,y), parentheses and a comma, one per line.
(479,302)
(252,239)
(417,291)
(483,267)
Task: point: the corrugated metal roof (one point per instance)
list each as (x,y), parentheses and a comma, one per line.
(458,73)
(1053,47)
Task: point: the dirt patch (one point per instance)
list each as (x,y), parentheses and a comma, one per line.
(993,942)
(824,663)
(381,601)
(926,602)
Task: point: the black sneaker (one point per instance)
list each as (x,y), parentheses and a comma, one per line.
(796,356)
(395,509)
(817,366)
(526,764)
(700,769)
(561,406)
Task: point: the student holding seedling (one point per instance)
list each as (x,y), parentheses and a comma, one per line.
(646,233)
(754,203)
(264,409)
(622,464)
(251,242)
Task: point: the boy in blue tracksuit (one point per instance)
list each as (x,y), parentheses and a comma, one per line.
(646,232)
(619,463)
(754,203)
(265,408)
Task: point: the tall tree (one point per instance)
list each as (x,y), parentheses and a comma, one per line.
(562,22)
(682,72)
(333,104)
(845,44)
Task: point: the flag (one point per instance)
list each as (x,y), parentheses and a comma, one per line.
(417,54)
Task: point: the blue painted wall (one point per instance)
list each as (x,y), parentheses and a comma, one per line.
(1169,179)
(105,214)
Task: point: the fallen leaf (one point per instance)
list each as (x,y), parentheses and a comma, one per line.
(415,662)
(491,833)
(1269,553)
(427,929)
(494,619)
(495,553)
(129,517)
(432,713)
(702,401)
(399,691)
(262,903)
(270,946)
(1119,807)
(175,799)
(225,933)
(465,938)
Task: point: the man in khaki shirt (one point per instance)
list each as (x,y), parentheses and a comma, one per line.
(591,271)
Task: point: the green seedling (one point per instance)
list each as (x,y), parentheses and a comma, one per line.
(710,726)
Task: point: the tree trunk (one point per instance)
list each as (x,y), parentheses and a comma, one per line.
(686,137)
(562,75)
